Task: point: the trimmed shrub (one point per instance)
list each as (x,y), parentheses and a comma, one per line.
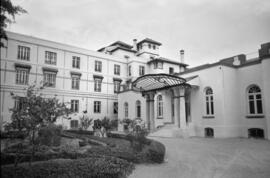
(108,167)
(156,152)
(50,135)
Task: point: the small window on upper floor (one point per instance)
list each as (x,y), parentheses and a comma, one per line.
(50,57)
(116,69)
(149,46)
(154,47)
(129,70)
(76,62)
(23,53)
(171,70)
(254,97)
(98,66)
(141,70)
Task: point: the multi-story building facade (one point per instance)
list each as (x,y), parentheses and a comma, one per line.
(230,98)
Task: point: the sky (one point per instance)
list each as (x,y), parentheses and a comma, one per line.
(208,30)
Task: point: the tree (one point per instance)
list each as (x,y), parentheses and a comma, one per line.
(85,121)
(35,112)
(7,16)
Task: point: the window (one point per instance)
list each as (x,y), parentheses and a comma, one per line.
(171,70)
(254,100)
(115,108)
(22,76)
(75,82)
(97,105)
(255,133)
(149,46)
(141,70)
(50,57)
(97,84)
(154,47)
(74,106)
(19,103)
(49,78)
(126,110)
(23,53)
(159,106)
(74,124)
(209,102)
(116,69)
(129,70)
(209,132)
(98,66)
(76,62)
(138,109)
(158,65)
(116,84)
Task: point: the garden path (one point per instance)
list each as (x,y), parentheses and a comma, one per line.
(205,158)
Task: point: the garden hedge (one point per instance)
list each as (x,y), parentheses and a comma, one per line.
(108,167)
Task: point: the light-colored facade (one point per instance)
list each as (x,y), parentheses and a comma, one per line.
(218,103)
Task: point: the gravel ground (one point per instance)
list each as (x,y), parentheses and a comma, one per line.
(207,158)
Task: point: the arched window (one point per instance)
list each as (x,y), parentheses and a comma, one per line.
(159,106)
(209,101)
(254,97)
(138,109)
(126,110)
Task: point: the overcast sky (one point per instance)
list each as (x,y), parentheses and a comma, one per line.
(208,30)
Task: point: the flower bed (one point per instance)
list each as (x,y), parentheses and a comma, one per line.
(98,167)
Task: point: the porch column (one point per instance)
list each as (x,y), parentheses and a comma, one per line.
(151,111)
(176,108)
(148,112)
(182,108)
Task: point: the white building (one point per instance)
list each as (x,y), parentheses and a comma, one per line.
(230,98)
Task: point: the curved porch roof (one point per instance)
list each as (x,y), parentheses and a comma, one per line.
(154,82)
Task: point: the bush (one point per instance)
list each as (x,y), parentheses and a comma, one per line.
(50,135)
(156,152)
(108,167)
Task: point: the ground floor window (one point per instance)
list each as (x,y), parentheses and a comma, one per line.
(209,132)
(97,106)
(255,133)
(74,124)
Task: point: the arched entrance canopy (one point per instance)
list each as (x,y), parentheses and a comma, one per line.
(154,82)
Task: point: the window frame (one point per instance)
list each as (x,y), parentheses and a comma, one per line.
(116,86)
(209,108)
(76,62)
(75,82)
(138,109)
(141,70)
(160,107)
(115,107)
(98,66)
(126,110)
(97,106)
(255,101)
(53,75)
(23,53)
(97,84)
(50,57)
(117,69)
(74,105)
(19,76)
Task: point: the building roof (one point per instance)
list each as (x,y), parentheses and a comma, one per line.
(162,59)
(226,62)
(150,41)
(118,44)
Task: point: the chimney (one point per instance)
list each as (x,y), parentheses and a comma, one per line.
(182,52)
(135,44)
